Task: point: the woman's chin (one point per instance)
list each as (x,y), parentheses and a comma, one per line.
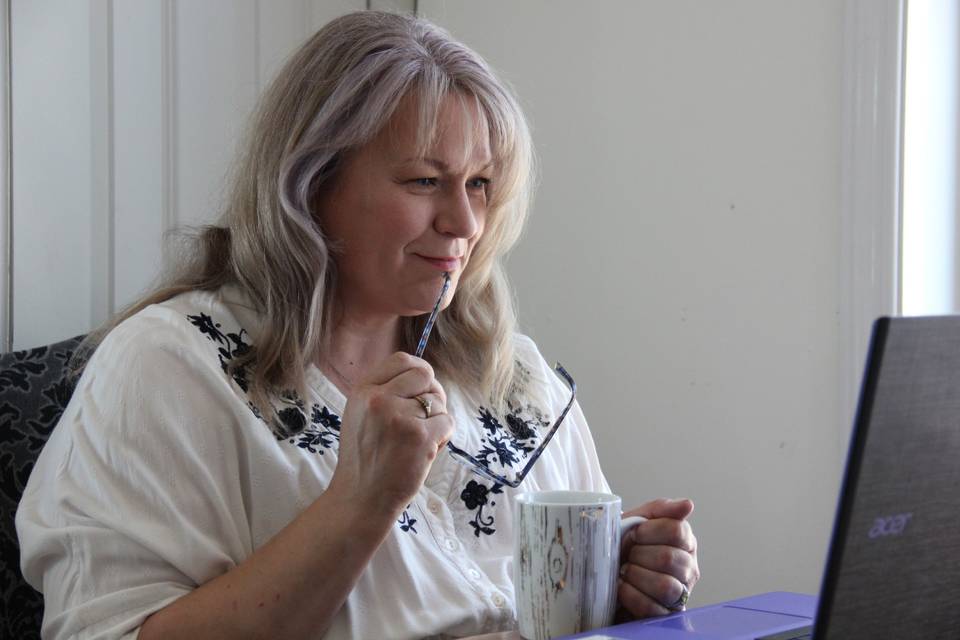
(424,307)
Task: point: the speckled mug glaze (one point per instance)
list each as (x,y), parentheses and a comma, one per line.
(566,559)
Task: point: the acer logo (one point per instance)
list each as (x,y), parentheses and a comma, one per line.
(889,525)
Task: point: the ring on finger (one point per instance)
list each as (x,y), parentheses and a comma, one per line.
(426,403)
(681,603)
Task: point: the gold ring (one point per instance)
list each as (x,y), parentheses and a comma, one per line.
(426,403)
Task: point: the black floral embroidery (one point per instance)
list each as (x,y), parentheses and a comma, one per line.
(231,345)
(520,427)
(476,496)
(289,420)
(407,521)
(207,327)
(330,423)
(322,434)
(293,419)
(291,424)
(498,447)
(503,448)
(489,422)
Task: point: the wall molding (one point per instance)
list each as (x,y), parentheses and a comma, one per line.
(6,169)
(871,175)
(102,164)
(168,67)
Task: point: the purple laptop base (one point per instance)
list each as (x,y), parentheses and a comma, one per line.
(743,619)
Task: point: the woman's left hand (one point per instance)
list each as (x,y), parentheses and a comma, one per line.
(658,560)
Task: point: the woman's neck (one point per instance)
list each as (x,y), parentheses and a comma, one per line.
(358,344)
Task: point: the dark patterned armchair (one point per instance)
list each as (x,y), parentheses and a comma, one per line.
(34,390)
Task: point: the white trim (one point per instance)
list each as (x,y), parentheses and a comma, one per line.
(168,67)
(870,181)
(6,170)
(103,203)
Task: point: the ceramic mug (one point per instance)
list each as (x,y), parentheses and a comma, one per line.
(566,560)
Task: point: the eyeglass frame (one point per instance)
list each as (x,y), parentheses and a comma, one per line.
(481,468)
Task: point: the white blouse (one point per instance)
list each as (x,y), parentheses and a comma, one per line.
(161,476)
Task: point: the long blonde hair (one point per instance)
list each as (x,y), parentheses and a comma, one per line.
(335,94)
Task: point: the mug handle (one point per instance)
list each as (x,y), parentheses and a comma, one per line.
(629,523)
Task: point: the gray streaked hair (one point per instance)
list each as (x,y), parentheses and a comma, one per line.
(335,94)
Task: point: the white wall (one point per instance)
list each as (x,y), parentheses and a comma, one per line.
(125,116)
(682,257)
(687,258)
(52,172)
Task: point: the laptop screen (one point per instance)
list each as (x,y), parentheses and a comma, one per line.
(894,566)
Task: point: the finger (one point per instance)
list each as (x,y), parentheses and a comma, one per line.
(393,365)
(439,394)
(668,560)
(407,376)
(664,589)
(418,381)
(440,429)
(639,604)
(411,383)
(435,401)
(675,533)
(438,397)
(678,509)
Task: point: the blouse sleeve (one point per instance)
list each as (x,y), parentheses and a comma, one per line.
(579,462)
(136,498)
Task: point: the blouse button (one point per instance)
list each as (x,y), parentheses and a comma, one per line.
(452,544)
(499,600)
(473,573)
(434,507)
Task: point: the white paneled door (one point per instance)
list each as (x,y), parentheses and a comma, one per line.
(125,118)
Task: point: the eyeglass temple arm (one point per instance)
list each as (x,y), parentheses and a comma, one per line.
(481,469)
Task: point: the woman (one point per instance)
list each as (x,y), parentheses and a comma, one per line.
(252,452)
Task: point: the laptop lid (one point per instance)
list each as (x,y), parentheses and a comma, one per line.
(893,567)
(894,562)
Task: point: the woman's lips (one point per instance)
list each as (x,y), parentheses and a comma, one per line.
(443,263)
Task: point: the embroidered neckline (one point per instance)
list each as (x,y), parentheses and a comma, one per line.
(319,434)
(500,446)
(506,447)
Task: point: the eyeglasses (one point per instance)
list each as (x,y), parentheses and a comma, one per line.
(478,466)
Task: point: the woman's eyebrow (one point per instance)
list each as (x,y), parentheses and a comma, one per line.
(440,165)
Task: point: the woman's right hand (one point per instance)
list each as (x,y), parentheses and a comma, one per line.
(386,448)
(387,444)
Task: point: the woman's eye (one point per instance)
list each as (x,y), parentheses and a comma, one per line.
(424,182)
(479,183)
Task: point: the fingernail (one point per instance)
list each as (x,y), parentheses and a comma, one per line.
(623,570)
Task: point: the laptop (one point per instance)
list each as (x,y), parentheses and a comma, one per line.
(893,566)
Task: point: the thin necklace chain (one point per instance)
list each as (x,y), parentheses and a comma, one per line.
(340,373)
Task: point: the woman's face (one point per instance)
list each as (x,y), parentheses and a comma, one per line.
(399,221)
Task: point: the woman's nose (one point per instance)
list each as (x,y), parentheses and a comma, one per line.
(457,216)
